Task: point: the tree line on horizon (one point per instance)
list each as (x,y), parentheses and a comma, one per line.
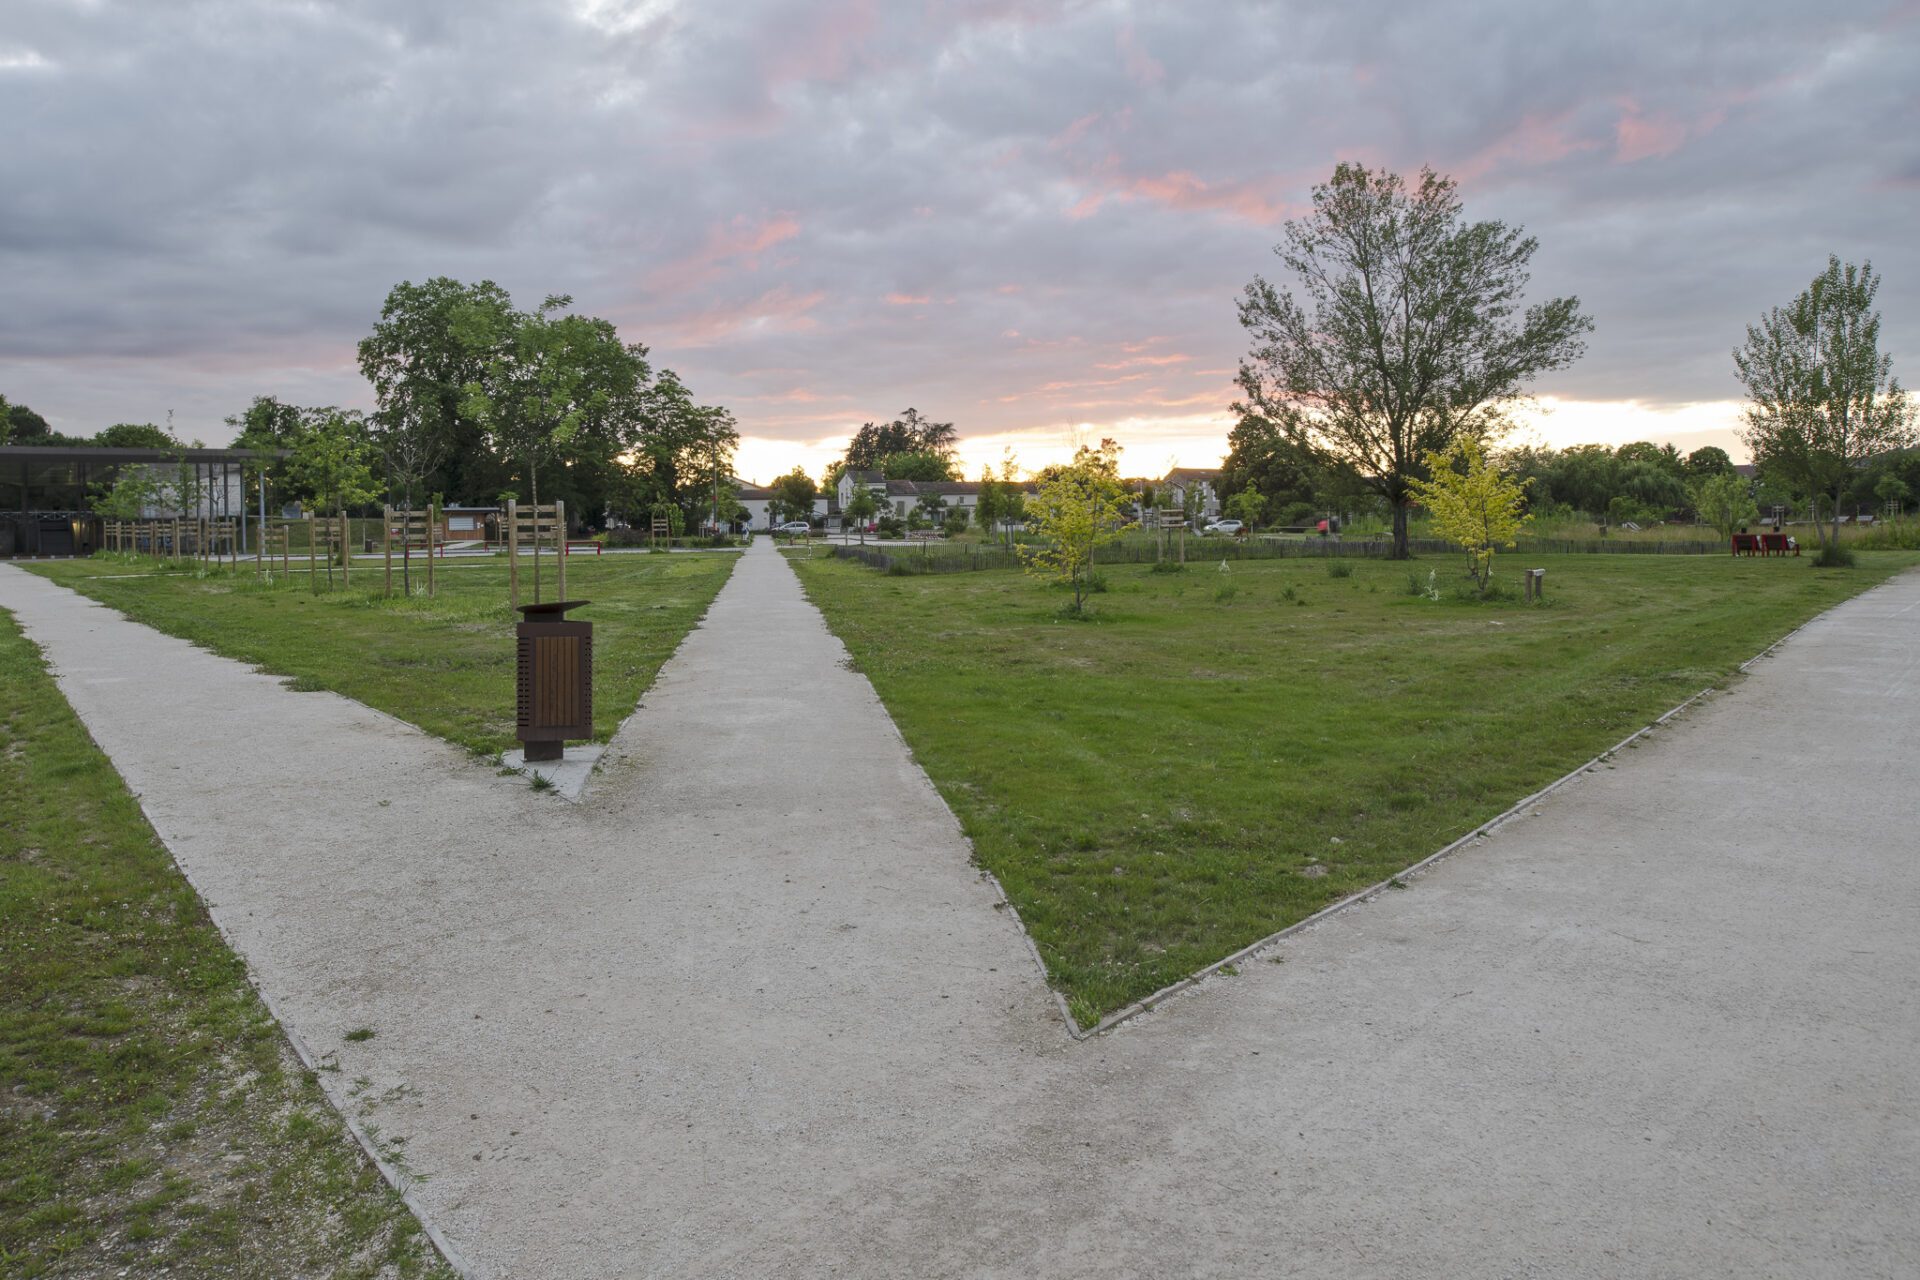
(1403,331)
(477,401)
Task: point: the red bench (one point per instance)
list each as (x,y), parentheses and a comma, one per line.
(582,546)
(1777,544)
(1746,544)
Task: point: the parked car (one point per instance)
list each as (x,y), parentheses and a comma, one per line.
(1225,528)
(794,526)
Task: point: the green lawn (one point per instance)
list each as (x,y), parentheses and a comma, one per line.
(444,664)
(154,1119)
(1217,755)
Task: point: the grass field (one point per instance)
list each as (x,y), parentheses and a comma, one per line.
(1217,755)
(154,1120)
(445,664)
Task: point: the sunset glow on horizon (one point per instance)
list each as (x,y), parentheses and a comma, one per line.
(1032,220)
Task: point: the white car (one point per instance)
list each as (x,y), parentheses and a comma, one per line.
(794,526)
(1226,528)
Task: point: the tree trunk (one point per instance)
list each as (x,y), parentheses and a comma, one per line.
(1838,492)
(1400,551)
(533,483)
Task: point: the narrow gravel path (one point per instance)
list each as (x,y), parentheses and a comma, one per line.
(749,1011)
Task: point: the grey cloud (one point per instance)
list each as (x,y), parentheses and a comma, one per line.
(211,200)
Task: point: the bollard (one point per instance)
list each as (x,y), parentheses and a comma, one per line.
(1536,586)
(554,682)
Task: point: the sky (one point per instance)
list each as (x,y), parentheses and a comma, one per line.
(1030,219)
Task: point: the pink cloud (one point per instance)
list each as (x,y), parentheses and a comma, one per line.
(740,241)
(826,48)
(1641,137)
(1254,201)
(1536,140)
(779,310)
(1073,132)
(1175,358)
(1142,67)
(907,300)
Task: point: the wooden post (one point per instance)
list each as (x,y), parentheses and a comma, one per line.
(346,551)
(513,553)
(386,545)
(560,545)
(433,536)
(313,567)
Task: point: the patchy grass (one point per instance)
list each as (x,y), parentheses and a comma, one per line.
(154,1119)
(445,664)
(1220,754)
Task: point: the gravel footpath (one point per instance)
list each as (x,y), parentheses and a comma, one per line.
(747,1010)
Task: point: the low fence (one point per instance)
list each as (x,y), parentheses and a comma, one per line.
(963,558)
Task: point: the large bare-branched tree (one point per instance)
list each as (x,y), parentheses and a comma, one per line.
(1404,330)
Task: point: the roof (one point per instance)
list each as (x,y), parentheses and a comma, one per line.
(1187,475)
(753,493)
(85,453)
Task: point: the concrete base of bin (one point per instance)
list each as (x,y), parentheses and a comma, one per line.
(568,774)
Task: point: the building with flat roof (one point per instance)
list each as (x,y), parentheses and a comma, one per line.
(48,492)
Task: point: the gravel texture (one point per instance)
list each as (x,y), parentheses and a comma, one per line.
(748,1010)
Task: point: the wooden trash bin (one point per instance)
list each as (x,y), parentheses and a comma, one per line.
(555,679)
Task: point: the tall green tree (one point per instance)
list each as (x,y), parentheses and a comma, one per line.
(431,342)
(135,435)
(268,425)
(681,452)
(1262,457)
(1822,398)
(553,379)
(1708,460)
(910,433)
(333,460)
(916,464)
(1403,333)
(24,426)
(793,495)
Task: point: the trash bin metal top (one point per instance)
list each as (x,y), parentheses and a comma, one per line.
(551,610)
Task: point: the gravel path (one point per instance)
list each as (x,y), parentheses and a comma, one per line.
(748,1010)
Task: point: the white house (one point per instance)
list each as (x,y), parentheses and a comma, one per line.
(898,498)
(1201,483)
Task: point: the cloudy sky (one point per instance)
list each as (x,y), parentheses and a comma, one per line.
(1032,219)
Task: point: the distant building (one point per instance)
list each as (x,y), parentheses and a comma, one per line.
(48,492)
(898,498)
(1192,488)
